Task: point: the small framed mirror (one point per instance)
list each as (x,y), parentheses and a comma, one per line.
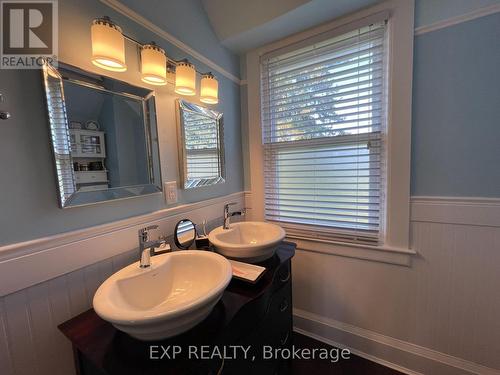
(104,136)
(201,146)
(184,234)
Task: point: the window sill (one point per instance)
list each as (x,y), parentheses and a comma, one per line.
(384,254)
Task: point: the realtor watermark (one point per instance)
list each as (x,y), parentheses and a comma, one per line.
(29,33)
(231,352)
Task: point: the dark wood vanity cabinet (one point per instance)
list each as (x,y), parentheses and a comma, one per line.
(257,316)
(271,329)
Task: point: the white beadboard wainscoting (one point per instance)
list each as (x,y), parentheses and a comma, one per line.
(440,316)
(48,281)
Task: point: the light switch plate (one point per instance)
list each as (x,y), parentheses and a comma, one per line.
(171,192)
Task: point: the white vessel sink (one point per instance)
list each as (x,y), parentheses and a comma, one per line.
(250,241)
(171,296)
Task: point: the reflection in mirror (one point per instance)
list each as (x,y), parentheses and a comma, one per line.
(184,234)
(201,148)
(104,136)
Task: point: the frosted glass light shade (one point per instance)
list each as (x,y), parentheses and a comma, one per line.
(153,65)
(209,89)
(108,45)
(185,78)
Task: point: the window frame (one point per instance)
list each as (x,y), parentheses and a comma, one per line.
(400,33)
(275,142)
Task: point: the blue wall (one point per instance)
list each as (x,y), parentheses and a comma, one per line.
(28,193)
(456,110)
(187,21)
(430,11)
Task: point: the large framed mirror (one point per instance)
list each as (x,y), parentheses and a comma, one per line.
(104,136)
(201,145)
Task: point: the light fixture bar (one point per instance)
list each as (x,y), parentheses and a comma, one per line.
(108,52)
(169,60)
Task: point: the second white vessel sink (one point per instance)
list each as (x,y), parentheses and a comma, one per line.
(249,241)
(171,296)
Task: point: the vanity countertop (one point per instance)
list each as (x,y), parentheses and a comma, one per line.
(105,350)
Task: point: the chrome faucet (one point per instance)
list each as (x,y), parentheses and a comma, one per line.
(147,247)
(228,215)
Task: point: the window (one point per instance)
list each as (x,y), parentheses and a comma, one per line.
(323,133)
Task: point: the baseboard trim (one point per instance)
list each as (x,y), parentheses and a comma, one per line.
(414,358)
(477,13)
(359,353)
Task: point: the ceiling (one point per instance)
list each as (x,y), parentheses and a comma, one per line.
(242,25)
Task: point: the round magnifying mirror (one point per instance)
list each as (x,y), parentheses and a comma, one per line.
(184,234)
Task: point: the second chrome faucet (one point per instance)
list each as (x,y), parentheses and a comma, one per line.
(147,247)
(228,215)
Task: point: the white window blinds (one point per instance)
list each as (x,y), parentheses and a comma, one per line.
(323,115)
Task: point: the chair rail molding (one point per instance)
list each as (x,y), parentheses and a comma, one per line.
(31,262)
(456,210)
(473,211)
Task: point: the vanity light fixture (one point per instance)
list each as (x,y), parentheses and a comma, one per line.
(108,45)
(108,52)
(153,65)
(209,89)
(185,78)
